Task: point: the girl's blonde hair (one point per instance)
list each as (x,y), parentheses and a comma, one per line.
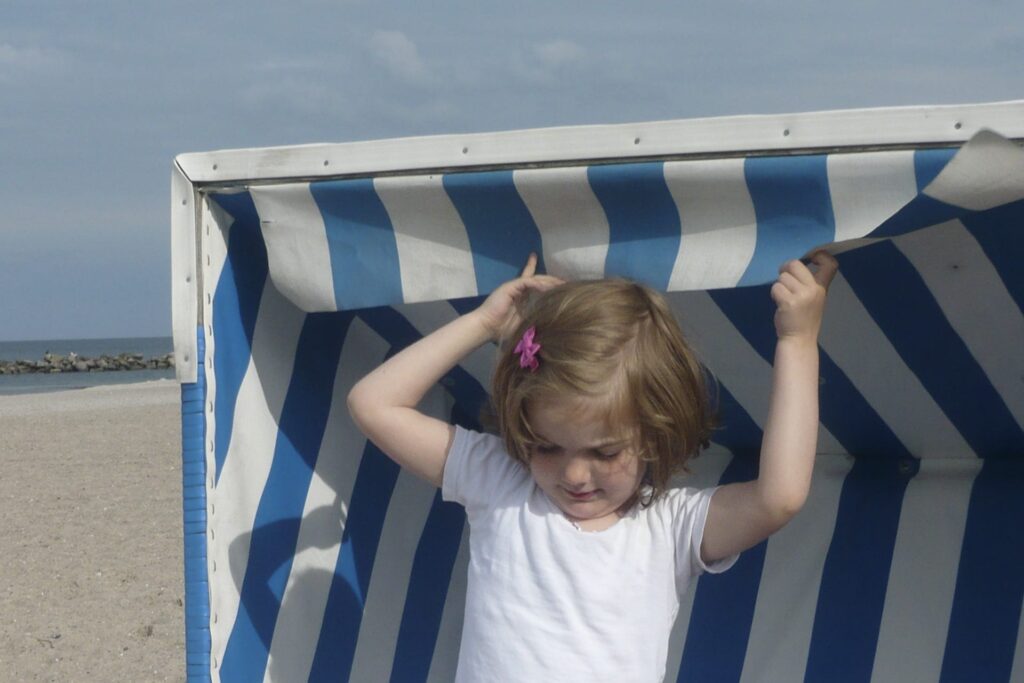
(616,345)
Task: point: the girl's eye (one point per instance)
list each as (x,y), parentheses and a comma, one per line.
(545,448)
(604,455)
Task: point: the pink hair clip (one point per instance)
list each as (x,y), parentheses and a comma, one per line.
(527,350)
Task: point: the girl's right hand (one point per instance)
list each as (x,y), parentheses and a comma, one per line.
(500,313)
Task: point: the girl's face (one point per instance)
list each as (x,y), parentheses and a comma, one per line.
(584,467)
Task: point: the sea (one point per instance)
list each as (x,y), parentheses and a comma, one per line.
(31,383)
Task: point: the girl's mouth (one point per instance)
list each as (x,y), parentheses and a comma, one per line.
(583,495)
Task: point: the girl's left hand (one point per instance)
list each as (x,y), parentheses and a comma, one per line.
(500,312)
(799,296)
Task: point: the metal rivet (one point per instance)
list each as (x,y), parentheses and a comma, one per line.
(636,141)
(465,150)
(785,132)
(209,405)
(215,167)
(213,534)
(207,259)
(209,330)
(188,278)
(326,162)
(215,565)
(184,202)
(211,445)
(186,357)
(209,299)
(958,125)
(215,618)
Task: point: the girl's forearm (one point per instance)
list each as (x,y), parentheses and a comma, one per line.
(405,378)
(791,429)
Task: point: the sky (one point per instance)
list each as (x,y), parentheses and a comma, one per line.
(97,98)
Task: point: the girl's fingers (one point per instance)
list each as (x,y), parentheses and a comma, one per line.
(827,267)
(531,265)
(789,281)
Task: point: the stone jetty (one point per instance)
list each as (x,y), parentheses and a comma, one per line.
(72,362)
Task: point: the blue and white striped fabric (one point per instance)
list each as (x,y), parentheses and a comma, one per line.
(327,563)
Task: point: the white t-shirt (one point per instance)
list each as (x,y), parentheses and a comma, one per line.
(549,602)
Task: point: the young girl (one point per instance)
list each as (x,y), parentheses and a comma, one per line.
(578,548)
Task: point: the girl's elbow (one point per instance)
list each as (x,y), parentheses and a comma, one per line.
(783,507)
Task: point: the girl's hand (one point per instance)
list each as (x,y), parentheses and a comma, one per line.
(500,312)
(799,296)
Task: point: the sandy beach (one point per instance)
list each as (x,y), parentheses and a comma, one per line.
(90,532)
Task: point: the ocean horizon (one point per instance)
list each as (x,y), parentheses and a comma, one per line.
(30,383)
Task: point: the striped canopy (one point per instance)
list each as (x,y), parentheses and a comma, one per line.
(322,561)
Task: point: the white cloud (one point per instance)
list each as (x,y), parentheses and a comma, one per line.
(18,61)
(400,56)
(558,53)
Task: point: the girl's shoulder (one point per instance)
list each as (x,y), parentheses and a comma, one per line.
(479,471)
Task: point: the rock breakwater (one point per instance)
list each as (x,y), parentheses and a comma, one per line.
(53,363)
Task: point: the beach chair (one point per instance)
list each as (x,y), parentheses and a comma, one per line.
(310,556)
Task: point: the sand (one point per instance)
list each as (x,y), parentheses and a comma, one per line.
(90,535)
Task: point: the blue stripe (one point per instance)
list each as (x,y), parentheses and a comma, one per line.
(928,163)
(643,221)
(193,486)
(431,574)
(931,348)
(428,591)
(856,572)
(723,605)
(343,611)
(849,417)
(998,231)
(272,546)
(361,241)
(500,228)
(990,582)
(922,211)
(793,206)
(236,305)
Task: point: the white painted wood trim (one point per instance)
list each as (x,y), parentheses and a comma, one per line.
(184,280)
(732,135)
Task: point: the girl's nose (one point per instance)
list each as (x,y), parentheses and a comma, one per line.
(575,471)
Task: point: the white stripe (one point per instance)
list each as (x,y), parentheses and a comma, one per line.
(573,227)
(297,249)
(250,454)
(389,583)
(729,356)
(324,516)
(922,576)
(883,378)
(434,254)
(449,636)
(787,598)
(719,226)
(988,172)
(216,229)
(705,471)
(976,303)
(868,188)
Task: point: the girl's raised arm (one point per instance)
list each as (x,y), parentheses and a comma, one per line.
(383,404)
(744,514)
